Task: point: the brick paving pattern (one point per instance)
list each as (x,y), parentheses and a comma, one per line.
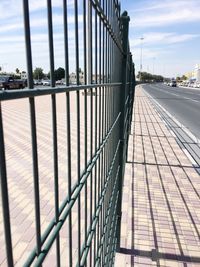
(17,132)
(161,205)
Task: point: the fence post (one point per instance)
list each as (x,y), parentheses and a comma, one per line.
(132,83)
(130,101)
(133,87)
(125,27)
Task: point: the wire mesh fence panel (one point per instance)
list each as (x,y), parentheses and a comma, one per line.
(63,148)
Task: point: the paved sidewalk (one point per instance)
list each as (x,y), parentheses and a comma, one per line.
(20,178)
(161,199)
(161,190)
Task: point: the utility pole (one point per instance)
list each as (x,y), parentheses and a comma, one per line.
(141,46)
(153,64)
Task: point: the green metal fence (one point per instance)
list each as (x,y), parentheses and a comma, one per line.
(106,98)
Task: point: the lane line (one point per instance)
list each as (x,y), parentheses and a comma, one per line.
(192,136)
(194,100)
(190,157)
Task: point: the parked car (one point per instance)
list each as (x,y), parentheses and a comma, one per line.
(8,82)
(59,82)
(196,85)
(172,83)
(185,83)
(46,82)
(37,82)
(190,84)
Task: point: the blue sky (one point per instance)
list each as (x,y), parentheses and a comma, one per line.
(171,31)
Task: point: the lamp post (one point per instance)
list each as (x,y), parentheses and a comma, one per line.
(153,64)
(2,65)
(141,44)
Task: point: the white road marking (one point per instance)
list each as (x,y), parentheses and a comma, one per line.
(191,135)
(194,100)
(190,157)
(172,133)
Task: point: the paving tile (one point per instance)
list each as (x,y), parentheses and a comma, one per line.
(161,207)
(165,196)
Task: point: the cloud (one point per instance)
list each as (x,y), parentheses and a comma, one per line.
(11,27)
(42,4)
(37,22)
(166,5)
(147,53)
(166,13)
(15,7)
(162,38)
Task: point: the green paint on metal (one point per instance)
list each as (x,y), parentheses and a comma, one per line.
(108,95)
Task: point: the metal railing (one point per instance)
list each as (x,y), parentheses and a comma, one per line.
(94,193)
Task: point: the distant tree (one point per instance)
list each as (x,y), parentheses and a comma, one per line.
(38,74)
(16,76)
(17,71)
(178,79)
(148,77)
(0,68)
(59,74)
(183,78)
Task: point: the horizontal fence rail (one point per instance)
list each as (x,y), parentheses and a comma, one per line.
(74,151)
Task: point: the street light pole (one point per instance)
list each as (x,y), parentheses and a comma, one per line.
(141,39)
(153,64)
(2,66)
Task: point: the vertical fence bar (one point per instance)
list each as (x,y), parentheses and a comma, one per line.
(85,113)
(106,128)
(103,128)
(56,184)
(35,174)
(90,81)
(96,124)
(125,24)
(4,196)
(28,43)
(78,124)
(69,173)
(66,49)
(89,42)
(68,123)
(33,125)
(100,137)
(50,35)
(54,124)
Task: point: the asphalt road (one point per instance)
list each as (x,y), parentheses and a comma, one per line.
(182,103)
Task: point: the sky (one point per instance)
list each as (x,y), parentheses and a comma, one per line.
(171,32)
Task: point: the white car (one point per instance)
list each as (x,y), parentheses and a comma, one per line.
(46,82)
(197,85)
(190,84)
(59,82)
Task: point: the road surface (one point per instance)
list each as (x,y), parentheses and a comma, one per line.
(182,103)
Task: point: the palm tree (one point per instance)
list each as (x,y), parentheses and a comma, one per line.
(17,71)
